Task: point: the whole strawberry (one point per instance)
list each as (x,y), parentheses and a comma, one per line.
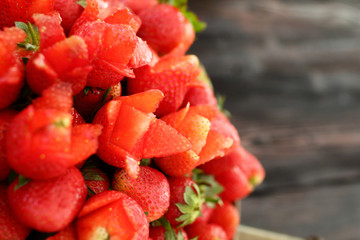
(48,205)
(11,228)
(206,231)
(95,179)
(150,190)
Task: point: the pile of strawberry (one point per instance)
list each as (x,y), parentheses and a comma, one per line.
(108,130)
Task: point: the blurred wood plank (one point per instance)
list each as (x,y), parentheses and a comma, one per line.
(250,233)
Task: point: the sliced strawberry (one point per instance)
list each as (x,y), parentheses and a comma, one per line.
(66,60)
(163,140)
(146,102)
(217,145)
(142,54)
(112,214)
(174,119)
(69,10)
(50,29)
(11,228)
(48,205)
(167,75)
(124,16)
(178,164)
(11,69)
(90,14)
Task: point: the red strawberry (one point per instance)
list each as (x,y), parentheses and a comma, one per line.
(68,233)
(66,61)
(205,214)
(236,184)
(96,180)
(226,216)
(206,231)
(77,119)
(22,10)
(200,95)
(247,162)
(150,190)
(50,30)
(11,69)
(69,10)
(49,144)
(167,74)
(166,29)
(129,127)
(48,205)
(194,124)
(138,5)
(114,215)
(185,201)
(222,125)
(163,232)
(5,118)
(88,101)
(11,228)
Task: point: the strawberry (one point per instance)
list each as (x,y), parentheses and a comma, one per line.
(150,190)
(166,29)
(194,124)
(205,231)
(11,69)
(49,144)
(11,228)
(168,74)
(114,215)
(48,205)
(22,10)
(240,157)
(226,216)
(200,95)
(139,5)
(235,183)
(96,180)
(77,119)
(162,230)
(5,118)
(185,201)
(205,214)
(131,132)
(88,101)
(69,10)
(68,233)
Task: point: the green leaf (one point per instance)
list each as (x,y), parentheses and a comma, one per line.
(91,174)
(31,42)
(82,3)
(221,99)
(106,94)
(191,17)
(145,162)
(209,188)
(169,233)
(22,181)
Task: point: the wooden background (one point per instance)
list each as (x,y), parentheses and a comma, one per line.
(291,73)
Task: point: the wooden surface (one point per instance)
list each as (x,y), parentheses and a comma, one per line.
(291,73)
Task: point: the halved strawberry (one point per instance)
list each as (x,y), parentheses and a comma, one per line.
(48,205)
(114,215)
(11,69)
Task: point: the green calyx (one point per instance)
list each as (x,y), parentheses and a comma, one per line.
(170,233)
(191,209)
(31,42)
(82,3)
(191,16)
(209,188)
(21,182)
